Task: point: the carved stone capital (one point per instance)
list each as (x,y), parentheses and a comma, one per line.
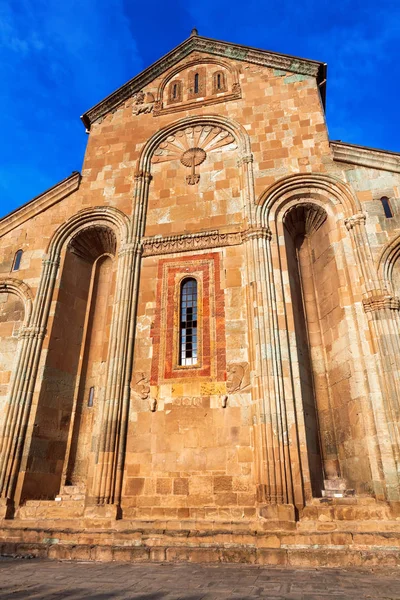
(257,233)
(52,262)
(245,159)
(132,248)
(145,175)
(32,332)
(358,219)
(382,302)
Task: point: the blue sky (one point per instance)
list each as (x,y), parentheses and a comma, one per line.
(59,58)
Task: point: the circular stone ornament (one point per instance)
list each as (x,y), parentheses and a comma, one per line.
(193,157)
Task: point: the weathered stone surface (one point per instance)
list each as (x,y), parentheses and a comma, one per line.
(291,391)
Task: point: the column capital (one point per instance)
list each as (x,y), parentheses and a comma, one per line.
(32,332)
(51,260)
(357,219)
(131,248)
(257,233)
(376,302)
(141,174)
(245,159)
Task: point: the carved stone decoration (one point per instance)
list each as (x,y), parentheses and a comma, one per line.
(304,219)
(192,158)
(238,379)
(142,386)
(192,145)
(154,246)
(143,103)
(381,302)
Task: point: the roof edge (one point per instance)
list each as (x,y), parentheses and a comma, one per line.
(365,156)
(295,64)
(40,203)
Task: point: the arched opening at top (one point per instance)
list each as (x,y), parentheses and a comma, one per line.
(387,207)
(219,82)
(308,251)
(17,260)
(76,362)
(188,323)
(196,83)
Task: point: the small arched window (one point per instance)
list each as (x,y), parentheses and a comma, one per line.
(17,260)
(188,323)
(219,82)
(386,207)
(196,83)
(175,91)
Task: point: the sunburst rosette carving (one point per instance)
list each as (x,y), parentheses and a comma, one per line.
(206,137)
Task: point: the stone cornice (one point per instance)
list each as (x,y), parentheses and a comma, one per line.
(197,43)
(366,157)
(153,246)
(40,203)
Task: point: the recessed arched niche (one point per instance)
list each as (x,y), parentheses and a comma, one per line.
(314,284)
(75,365)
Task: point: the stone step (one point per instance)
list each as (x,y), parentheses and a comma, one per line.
(314,548)
(51,509)
(73,492)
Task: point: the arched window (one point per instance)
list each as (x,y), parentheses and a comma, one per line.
(175,91)
(219,82)
(386,207)
(188,323)
(196,83)
(17,260)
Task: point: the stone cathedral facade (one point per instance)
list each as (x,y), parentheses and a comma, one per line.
(200,332)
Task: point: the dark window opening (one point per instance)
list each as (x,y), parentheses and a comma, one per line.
(91,397)
(175,91)
(219,81)
(386,207)
(188,323)
(196,83)
(17,260)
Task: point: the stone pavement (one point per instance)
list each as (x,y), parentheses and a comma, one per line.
(38,579)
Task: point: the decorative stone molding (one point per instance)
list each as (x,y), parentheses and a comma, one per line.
(358,219)
(238,377)
(157,245)
(375,303)
(213,47)
(327,189)
(366,157)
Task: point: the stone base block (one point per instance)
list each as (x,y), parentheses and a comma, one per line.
(102,511)
(278,512)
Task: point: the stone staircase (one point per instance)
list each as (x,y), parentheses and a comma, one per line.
(330,532)
(70,503)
